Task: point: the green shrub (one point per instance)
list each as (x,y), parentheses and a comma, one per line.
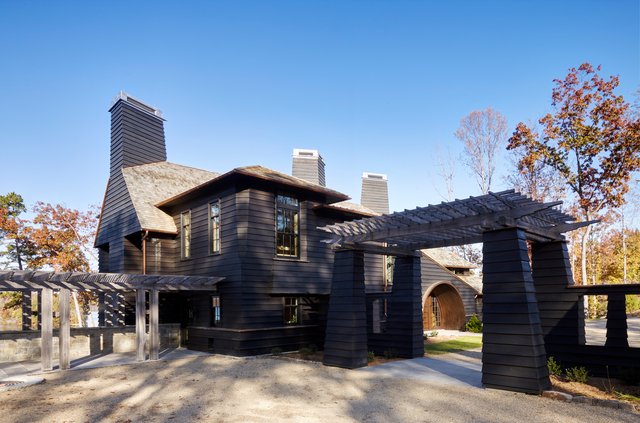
(276,350)
(577,374)
(474,325)
(370,356)
(554,367)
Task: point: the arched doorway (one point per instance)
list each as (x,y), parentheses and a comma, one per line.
(442,308)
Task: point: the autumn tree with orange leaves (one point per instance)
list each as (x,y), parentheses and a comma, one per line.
(591,139)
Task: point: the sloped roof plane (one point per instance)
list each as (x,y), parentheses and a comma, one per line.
(151,183)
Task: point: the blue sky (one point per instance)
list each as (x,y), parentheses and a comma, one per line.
(376,86)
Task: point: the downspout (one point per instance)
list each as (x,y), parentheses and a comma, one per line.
(144,252)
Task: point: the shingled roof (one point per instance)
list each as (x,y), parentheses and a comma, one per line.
(262,173)
(151,183)
(448,258)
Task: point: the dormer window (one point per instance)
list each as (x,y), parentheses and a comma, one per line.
(287,226)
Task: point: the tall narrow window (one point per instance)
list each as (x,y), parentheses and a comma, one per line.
(287,226)
(217,311)
(185,234)
(214,227)
(291,311)
(435,313)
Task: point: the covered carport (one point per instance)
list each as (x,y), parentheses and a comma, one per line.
(514,356)
(45,283)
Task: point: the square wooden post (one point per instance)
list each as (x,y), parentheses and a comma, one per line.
(141,324)
(616,321)
(404,320)
(65,329)
(46,334)
(154,329)
(345,342)
(513,353)
(101,309)
(561,311)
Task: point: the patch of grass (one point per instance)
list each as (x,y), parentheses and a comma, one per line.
(462,343)
(628,397)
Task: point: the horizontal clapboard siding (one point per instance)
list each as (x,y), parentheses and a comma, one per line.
(432,274)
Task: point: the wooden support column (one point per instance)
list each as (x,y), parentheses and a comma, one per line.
(65,329)
(616,321)
(26,310)
(46,334)
(154,327)
(38,296)
(101,309)
(404,320)
(141,309)
(561,311)
(513,353)
(345,342)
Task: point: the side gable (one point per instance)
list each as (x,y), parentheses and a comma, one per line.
(128,205)
(117,216)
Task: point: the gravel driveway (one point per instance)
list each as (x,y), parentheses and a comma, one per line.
(225,389)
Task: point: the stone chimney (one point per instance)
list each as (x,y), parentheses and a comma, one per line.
(308,165)
(375,194)
(137,133)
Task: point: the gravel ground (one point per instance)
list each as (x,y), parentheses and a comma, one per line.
(225,389)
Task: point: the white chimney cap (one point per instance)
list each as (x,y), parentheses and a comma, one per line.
(136,103)
(369,175)
(305,154)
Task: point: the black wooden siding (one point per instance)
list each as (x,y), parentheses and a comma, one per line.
(433,273)
(137,137)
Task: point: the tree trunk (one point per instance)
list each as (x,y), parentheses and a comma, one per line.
(18,254)
(583,259)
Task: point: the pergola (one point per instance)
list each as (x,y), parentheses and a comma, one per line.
(65,282)
(514,356)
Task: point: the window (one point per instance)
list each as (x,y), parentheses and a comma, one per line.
(389,267)
(435,313)
(214,227)
(287,226)
(217,311)
(291,311)
(185,232)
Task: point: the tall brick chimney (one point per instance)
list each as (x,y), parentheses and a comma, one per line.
(308,165)
(137,133)
(375,194)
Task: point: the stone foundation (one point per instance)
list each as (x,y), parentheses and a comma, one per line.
(25,345)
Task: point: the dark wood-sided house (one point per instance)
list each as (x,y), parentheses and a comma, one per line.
(256,228)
